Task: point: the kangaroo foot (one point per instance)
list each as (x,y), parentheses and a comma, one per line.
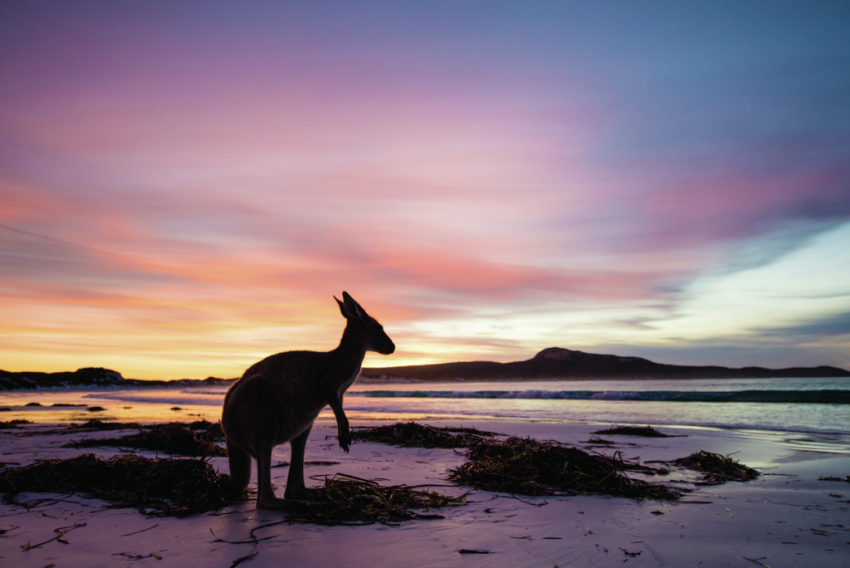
(274,504)
(304,494)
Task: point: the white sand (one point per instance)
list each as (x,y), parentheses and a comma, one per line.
(785,518)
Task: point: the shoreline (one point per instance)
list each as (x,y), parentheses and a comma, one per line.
(812,408)
(731,524)
(393,380)
(48,415)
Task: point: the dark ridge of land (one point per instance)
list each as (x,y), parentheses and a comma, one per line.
(91,377)
(559,363)
(551,363)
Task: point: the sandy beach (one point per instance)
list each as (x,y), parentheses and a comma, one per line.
(786,517)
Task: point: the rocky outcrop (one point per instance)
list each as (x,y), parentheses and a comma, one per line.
(88,376)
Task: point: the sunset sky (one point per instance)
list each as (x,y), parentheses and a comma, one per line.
(185,185)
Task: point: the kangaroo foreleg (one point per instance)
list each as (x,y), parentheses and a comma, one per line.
(343,432)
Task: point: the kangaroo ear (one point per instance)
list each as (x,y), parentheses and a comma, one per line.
(341,308)
(349,308)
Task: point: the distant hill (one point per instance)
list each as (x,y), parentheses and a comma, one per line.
(559,363)
(89,377)
(551,363)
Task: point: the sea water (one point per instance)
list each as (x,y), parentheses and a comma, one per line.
(811,405)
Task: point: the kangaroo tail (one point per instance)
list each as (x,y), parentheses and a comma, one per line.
(240,467)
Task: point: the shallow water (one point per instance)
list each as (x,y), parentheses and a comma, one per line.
(755,404)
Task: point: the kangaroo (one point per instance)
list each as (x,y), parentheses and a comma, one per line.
(277,399)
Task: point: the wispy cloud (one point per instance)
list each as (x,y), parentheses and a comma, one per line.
(190,184)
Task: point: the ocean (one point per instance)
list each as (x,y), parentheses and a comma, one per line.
(811,405)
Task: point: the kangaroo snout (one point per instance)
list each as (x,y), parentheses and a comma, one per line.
(389,348)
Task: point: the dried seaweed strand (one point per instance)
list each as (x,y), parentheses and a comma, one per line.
(60,532)
(345,499)
(246,558)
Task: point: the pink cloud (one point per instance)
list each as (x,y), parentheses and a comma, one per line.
(197,177)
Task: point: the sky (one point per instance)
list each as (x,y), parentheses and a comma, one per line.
(184,186)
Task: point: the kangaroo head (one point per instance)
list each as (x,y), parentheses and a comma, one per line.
(373,332)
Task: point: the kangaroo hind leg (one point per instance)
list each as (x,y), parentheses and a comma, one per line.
(265,493)
(295,488)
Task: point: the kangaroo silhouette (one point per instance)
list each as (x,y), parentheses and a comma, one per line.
(277,399)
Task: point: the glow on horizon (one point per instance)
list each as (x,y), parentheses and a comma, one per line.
(184,188)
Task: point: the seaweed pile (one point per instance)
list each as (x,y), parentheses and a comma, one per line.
(91,425)
(170,438)
(718,469)
(530,467)
(213,429)
(157,487)
(12,424)
(411,434)
(96,425)
(347,500)
(645,431)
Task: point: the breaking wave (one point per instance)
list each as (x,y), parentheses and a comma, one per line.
(758,396)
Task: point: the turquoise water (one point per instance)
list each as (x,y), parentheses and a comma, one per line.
(798,405)
(819,405)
